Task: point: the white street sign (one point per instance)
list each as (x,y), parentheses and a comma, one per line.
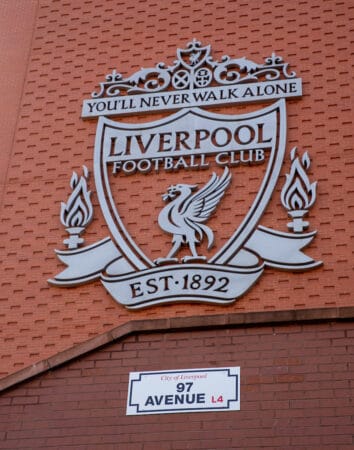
(176,391)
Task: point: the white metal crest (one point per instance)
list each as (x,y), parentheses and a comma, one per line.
(190,138)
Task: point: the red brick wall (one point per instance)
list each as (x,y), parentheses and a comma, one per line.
(65,51)
(296,392)
(17,20)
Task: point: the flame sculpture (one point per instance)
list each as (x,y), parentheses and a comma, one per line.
(77,213)
(298,194)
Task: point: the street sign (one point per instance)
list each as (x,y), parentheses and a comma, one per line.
(177,391)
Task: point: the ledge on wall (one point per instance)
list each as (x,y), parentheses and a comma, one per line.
(177,323)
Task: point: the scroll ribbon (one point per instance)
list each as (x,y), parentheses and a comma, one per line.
(192,282)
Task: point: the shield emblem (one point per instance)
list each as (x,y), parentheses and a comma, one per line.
(193,56)
(183,195)
(187,148)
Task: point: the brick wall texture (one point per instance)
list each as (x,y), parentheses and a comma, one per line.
(296,393)
(65,49)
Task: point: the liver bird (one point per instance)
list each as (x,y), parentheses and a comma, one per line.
(185,214)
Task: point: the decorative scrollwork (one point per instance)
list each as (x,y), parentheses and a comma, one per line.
(230,71)
(276,63)
(193,68)
(150,80)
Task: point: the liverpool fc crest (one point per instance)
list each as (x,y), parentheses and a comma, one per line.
(174,191)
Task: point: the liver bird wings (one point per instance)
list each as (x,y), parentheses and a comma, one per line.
(200,206)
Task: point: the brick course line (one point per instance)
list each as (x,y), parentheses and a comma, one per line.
(173,324)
